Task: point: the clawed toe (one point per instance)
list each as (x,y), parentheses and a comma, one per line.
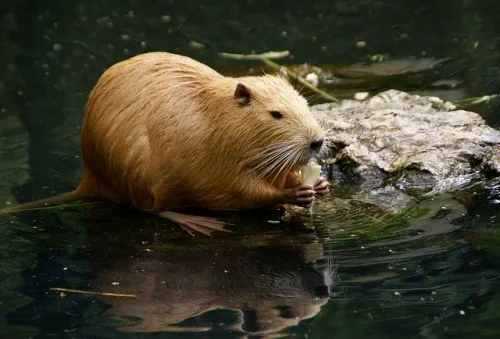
(321,188)
(195,223)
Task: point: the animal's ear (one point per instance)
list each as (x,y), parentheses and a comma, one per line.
(283,73)
(242,94)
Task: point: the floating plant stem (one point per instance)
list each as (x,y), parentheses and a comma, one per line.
(476,100)
(107,294)
(266,58)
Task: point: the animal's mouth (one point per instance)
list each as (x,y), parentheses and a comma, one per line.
(281,157)
(307,155)
(304,160)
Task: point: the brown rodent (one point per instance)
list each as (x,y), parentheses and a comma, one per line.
(162,131)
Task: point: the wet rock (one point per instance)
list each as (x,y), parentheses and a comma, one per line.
(491,162)
(387,198)
(420,145)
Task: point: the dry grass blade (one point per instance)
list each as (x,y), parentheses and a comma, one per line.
(107,294)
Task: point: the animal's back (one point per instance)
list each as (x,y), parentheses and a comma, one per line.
(120,136)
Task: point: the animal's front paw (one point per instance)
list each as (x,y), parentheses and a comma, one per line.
(302,195)
(321,188)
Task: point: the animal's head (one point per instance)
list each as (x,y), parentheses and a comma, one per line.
(283,130)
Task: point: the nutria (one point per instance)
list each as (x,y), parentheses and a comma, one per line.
(162,131)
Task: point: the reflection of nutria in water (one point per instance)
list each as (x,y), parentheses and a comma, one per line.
(162,131)
(268,288)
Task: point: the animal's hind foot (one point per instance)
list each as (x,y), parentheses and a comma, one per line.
(195,223)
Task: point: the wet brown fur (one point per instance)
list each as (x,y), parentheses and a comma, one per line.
(162,131)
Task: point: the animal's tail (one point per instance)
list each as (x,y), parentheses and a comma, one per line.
(38,204)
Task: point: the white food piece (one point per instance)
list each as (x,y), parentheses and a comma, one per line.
(309,174)
(313,79)
(360,96)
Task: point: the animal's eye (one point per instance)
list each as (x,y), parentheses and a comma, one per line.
(276,115)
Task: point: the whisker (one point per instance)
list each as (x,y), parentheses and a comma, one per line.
(269,150)
(301,89)
(270,157)
(287,163)
(271,161)
(284,165)
(291,160)
(283,158)
(279,162)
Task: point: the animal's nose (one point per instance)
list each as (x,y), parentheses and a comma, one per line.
(316,144)
(321,291)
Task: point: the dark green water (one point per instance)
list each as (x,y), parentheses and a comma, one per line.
(429,270)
